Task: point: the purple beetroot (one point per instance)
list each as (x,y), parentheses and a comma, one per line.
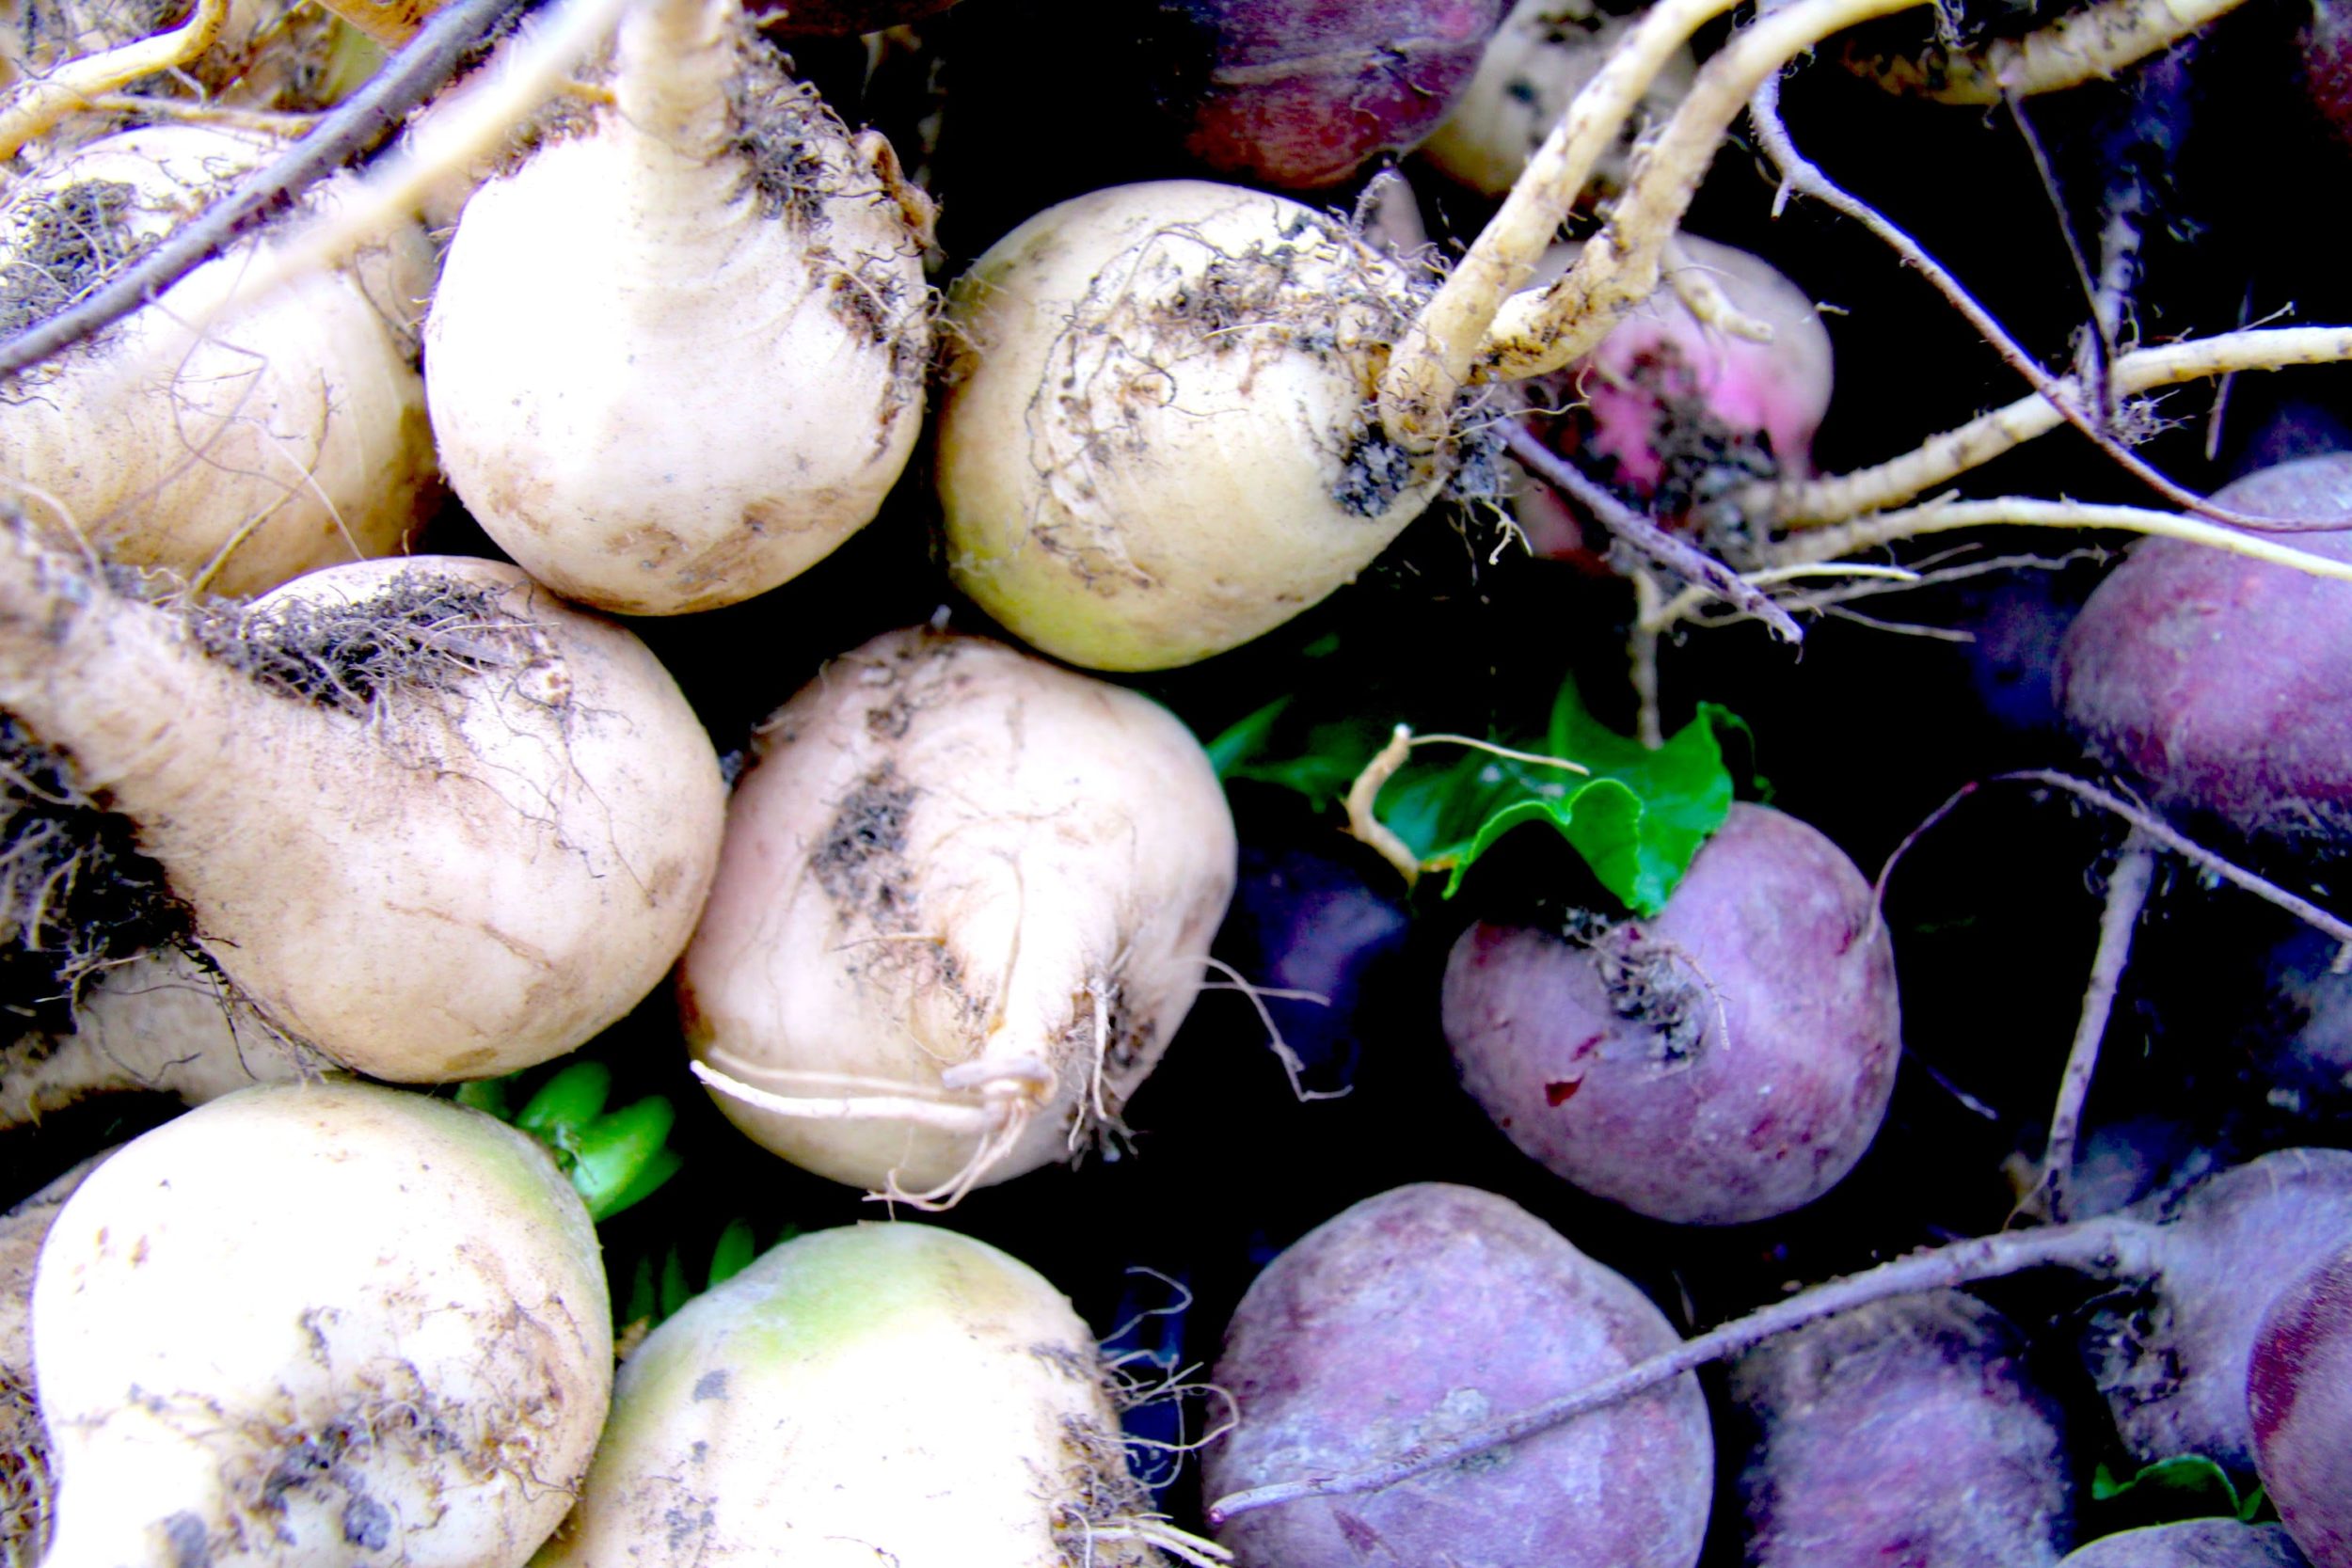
(2223,685)
(1725,1062)
(2191,1544)
(2300,1395)
(1418,1313)
(1907,1432)
(1300,94)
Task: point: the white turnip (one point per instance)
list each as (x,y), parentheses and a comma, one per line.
(427,820)
(1154,442)
(962,907)
(1531,69)
(158,1024)
(323,1323)
(286,436)
(878,1394)
(732,384)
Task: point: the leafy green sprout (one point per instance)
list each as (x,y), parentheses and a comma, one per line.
(616,1159)
(1636,815)
(2186,1486)
(656,1291)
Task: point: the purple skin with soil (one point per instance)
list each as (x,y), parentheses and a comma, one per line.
(2223,685)
(2173,1360)
(1422,1311)
(1906,1432)
(2298,1389)
(1300,94)
(1725,1062)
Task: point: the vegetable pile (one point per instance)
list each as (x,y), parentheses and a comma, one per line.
(1146,782)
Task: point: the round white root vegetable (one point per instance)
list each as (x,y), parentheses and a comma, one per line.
(878,1394)
(287,436)
(426,819)
(963,904)
(678,356)
(158,1023)
(1540,61)
(325,1323)
(1157,440)
(27,1478)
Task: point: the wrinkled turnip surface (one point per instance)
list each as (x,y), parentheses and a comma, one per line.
(1727,1061)
(1426,1310)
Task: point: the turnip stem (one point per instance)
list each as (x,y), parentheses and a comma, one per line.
(671,84)
(114,683)
(1535,334)
(1944,457)
(2127,894)
(35,107)
(358,125)
(1432,362)
(2110,1247)
(1942,516)
(2082,46)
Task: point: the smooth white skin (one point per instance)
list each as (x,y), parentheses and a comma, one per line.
(458,885)
(963,904)
(289,435)
(879,1394)
(327,1323)
(654,395)
(1133,479)
(156,1024)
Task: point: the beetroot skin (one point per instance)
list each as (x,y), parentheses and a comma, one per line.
(2191,1544)
(1418,1314)
(1905,1431)
(2173,1359)
(1300,94)
(2224,685)
(2299,1387)
(1727,1062)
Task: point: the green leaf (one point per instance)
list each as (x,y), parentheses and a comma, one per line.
(1637,819)
(570,1099)
(736,1248)
(642,1300)
(1637,816)
(618,1159)
(1245,737)
(2186,1486)
(676,1290)
(488,1093)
